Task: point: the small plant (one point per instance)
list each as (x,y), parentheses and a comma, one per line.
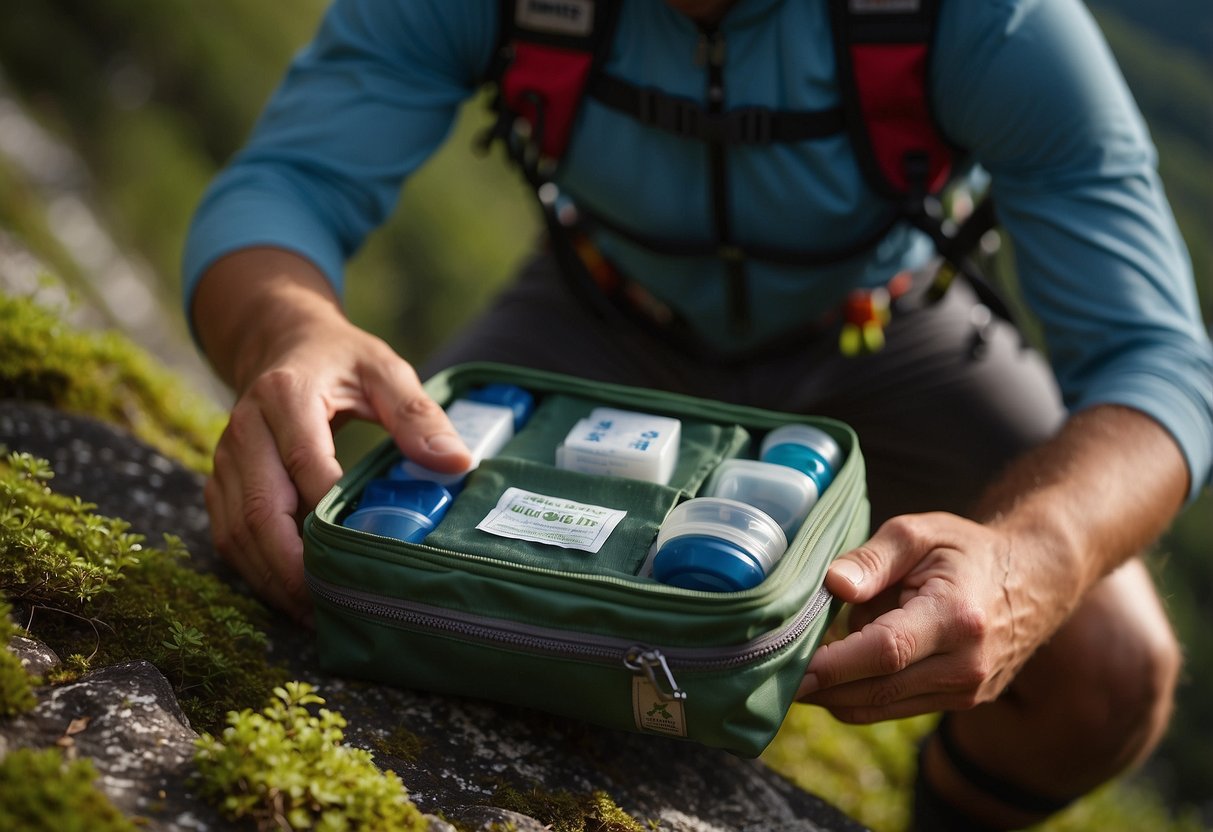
(40,792)
(285,768)
(93,592)
(16,694)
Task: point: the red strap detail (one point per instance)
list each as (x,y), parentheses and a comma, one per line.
(892,84)
(557,77)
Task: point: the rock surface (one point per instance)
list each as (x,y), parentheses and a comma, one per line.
(451,753)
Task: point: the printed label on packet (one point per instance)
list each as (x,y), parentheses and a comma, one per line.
(524,515)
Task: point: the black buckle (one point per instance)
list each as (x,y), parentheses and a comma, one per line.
(676,115)
(753,125)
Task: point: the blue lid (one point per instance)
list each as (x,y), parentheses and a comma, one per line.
(802,458)
(403,509)
(406,471)
(506,395)
(429,499)
(391,521)
(701,562)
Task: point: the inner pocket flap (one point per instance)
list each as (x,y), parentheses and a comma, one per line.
(555,519)
(702,447)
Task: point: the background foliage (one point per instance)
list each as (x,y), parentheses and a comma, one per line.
(153,95)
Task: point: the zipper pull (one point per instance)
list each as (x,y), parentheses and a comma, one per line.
(710,49)
(640,659)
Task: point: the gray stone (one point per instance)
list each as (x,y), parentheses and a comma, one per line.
(34,656)
(125,719)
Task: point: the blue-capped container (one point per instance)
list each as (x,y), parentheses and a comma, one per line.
(404,509)
(717,544)
(517,399)
(805,448)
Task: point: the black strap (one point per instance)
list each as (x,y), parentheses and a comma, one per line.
(687,118)
(769,254)
(996,787)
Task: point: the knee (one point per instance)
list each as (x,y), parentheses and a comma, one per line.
(1123,688)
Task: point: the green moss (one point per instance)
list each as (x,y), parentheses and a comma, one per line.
(287,768)
(40,792)
(402,744)
(95,593)
(16,693)
(104,375)
(563,811)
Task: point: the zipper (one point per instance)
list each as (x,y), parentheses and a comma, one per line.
(655,662)
(711,53)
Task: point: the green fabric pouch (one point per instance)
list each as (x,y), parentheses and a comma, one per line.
(571,630)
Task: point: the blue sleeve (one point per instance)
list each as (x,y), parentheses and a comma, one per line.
(361,107)
(1031,88)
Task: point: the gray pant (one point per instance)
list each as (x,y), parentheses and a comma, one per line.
(935,424)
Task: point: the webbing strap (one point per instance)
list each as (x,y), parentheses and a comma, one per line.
(882,50)
(769,254)
(689,119)
(547,50)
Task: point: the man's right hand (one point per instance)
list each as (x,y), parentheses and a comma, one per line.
(274,330)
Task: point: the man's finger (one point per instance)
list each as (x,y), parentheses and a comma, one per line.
(419,425)
(863,573)
(299,428)
(888,645)
(259,503)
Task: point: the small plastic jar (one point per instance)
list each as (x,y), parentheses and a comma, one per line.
(717,544)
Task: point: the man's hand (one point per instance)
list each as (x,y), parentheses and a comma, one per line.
(946,612)
(300,369)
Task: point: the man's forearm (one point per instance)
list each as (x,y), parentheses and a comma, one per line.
(1095,495)
(251,303)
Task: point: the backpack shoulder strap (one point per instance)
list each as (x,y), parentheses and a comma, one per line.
(883,49)
(547,53)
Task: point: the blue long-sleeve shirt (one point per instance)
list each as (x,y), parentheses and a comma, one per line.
(1028,87)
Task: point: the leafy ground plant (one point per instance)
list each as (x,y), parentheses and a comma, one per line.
(16,693)
(92,591)
(42,792)
(286,768)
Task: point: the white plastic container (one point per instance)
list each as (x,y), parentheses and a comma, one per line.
(784,493)
(484,428)
(622,443)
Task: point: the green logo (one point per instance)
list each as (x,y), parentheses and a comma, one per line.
(660,708)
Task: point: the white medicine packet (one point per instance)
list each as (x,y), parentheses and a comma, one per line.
(540,518)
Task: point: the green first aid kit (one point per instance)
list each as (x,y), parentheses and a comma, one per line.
(540,584)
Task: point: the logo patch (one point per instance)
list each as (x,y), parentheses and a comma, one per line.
(561,17)
(654,714)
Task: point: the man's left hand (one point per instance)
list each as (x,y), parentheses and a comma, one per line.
(945,611)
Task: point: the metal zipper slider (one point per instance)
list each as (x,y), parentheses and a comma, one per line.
(641,659)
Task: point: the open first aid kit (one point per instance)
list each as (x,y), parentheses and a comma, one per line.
(638,559)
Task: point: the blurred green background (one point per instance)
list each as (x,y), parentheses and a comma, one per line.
(123,109)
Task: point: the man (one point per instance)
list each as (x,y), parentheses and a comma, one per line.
(1003,585)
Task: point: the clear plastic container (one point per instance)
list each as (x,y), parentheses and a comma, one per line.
(786,494)
(717,544)
(805,448)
